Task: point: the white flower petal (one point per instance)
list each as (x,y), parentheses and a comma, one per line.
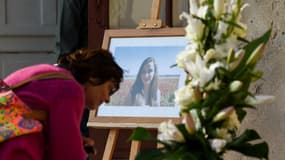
(184,96)
(218,144)
(169,132)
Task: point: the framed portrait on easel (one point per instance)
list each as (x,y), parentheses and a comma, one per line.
(147,57)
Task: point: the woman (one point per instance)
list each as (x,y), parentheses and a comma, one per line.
(144,91)
(97,76)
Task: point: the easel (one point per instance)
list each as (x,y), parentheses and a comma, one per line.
(114,125)
(153,22)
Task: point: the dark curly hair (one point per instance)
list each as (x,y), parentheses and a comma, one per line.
(94,66)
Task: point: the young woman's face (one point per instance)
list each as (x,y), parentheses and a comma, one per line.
(96,95)
(147,73)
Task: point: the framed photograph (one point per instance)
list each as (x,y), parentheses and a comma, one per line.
(148,58)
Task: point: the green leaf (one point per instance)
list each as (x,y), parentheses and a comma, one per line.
(211,155)
(243,40)
(259,150)
(256,76)
(189,155)
(177,154)
(241,114)
(248,135)
(249,48)
(255,43)
(142,134)
(149,154)
(241,145)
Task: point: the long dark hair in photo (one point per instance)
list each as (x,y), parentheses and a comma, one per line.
(138,85)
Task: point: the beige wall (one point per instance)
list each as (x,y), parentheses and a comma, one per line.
(269,120)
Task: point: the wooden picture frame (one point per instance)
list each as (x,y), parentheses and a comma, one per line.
(174,39)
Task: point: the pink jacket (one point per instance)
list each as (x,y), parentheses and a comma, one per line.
(64,101)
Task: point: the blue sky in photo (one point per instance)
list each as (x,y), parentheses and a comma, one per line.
(131,57)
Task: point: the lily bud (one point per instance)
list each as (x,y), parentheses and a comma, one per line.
(235,86)
(197,94)
(193,7)
(233,65)
(205,95)
(218,8)
(241,32)
(224,114)
(256,54)
(210,54)
(189,122)
(257,100)
(231,56)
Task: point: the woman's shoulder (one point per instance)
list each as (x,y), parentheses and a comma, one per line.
(39,68)
(29,71)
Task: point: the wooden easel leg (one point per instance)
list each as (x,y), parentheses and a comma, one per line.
(135,147)
(110,144)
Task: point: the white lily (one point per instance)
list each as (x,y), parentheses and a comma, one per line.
(194,29)
(217,144)
(199,71)
(224,48)
(222,29)
(232,6)
(168,132)
(202,12)
(210,54)
(186,55)
(184,96)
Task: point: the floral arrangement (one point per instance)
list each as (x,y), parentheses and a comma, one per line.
(220,66)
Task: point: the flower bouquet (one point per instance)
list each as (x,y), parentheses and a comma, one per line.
(220,66)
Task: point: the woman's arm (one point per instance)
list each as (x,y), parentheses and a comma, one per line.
(64,137)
